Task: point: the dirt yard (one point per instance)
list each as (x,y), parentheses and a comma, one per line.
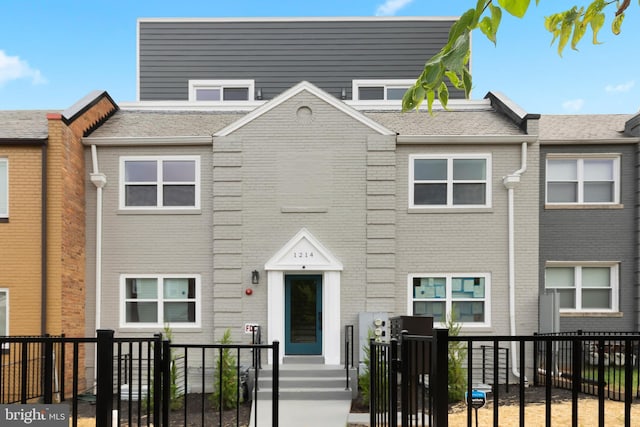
(535,410)
(194,413)
(535,413)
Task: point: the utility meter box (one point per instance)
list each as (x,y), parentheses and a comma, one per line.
(372,325)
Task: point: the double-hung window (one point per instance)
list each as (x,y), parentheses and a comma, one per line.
(463,296)
(584,179)
(380,90)
(160,182)
(4,188)
(449,181)
(588,287)
(158,300)
(221,90)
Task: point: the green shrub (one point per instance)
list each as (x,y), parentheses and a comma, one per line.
(457,353)
(225,383)
(364,379)
(175,396)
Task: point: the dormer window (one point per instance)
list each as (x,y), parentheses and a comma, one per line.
(380,90)
(221,90)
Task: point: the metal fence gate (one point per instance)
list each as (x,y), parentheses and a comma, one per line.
(136,379)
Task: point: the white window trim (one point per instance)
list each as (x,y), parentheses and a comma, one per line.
(449,298)
(449,182)
(615,284)
(160,278)
(6,291)
(6,163)
(580,157)
(122,183)
(221,84)
(385,83)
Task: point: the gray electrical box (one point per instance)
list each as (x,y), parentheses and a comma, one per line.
(549,322)
(375,324)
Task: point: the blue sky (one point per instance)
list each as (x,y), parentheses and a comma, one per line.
(52,53)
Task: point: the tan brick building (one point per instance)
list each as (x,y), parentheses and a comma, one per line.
(42,176)
(42,226)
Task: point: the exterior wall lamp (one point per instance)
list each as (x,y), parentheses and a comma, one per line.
(255,277)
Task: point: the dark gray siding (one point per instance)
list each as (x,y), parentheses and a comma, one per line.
(594,235)
(278,54)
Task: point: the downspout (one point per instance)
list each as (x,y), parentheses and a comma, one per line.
(99,180)
(510,182)
(43,243)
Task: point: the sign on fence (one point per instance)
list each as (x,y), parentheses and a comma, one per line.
(250,327)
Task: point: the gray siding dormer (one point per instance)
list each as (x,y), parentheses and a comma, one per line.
(280,52)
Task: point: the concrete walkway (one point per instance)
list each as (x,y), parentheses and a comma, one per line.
(303,413)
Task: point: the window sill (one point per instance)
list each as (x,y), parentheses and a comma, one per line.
(159,211)
(448,210)
(592,314)
(469,327)
(583,206)
(4,220)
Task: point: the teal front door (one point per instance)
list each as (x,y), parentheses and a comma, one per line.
(303,314)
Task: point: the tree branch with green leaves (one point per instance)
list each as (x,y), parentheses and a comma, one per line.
(451,62)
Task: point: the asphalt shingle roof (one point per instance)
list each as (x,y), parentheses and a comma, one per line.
(583,127)
(136,123)
(23,124)
(480,122)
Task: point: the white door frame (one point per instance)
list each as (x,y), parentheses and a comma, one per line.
(304,254)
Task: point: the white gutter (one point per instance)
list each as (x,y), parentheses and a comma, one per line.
(510,182)
(99,180)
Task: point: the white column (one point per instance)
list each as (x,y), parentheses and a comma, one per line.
(331,317)
(275,311)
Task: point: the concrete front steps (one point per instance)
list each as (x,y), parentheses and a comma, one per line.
(305,378)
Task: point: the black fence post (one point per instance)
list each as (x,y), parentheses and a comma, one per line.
(24,372)
(104,377)
(48,371)
(628,379)
(373,386)
(406,383)
(393,383)
(157,377)
(166,381)
(535,360)
(276,385)
(440,369)
(576,376)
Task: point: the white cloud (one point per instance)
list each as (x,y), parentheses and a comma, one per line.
(624,87)
(573,105)
(14,68)
(391,7)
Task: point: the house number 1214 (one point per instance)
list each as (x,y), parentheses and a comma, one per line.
(303,254)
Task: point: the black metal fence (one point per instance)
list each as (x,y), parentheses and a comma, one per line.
(610,351)
(349,346)
(207,387)
(47,369)
(141,381)
(600,364)
(409,377)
